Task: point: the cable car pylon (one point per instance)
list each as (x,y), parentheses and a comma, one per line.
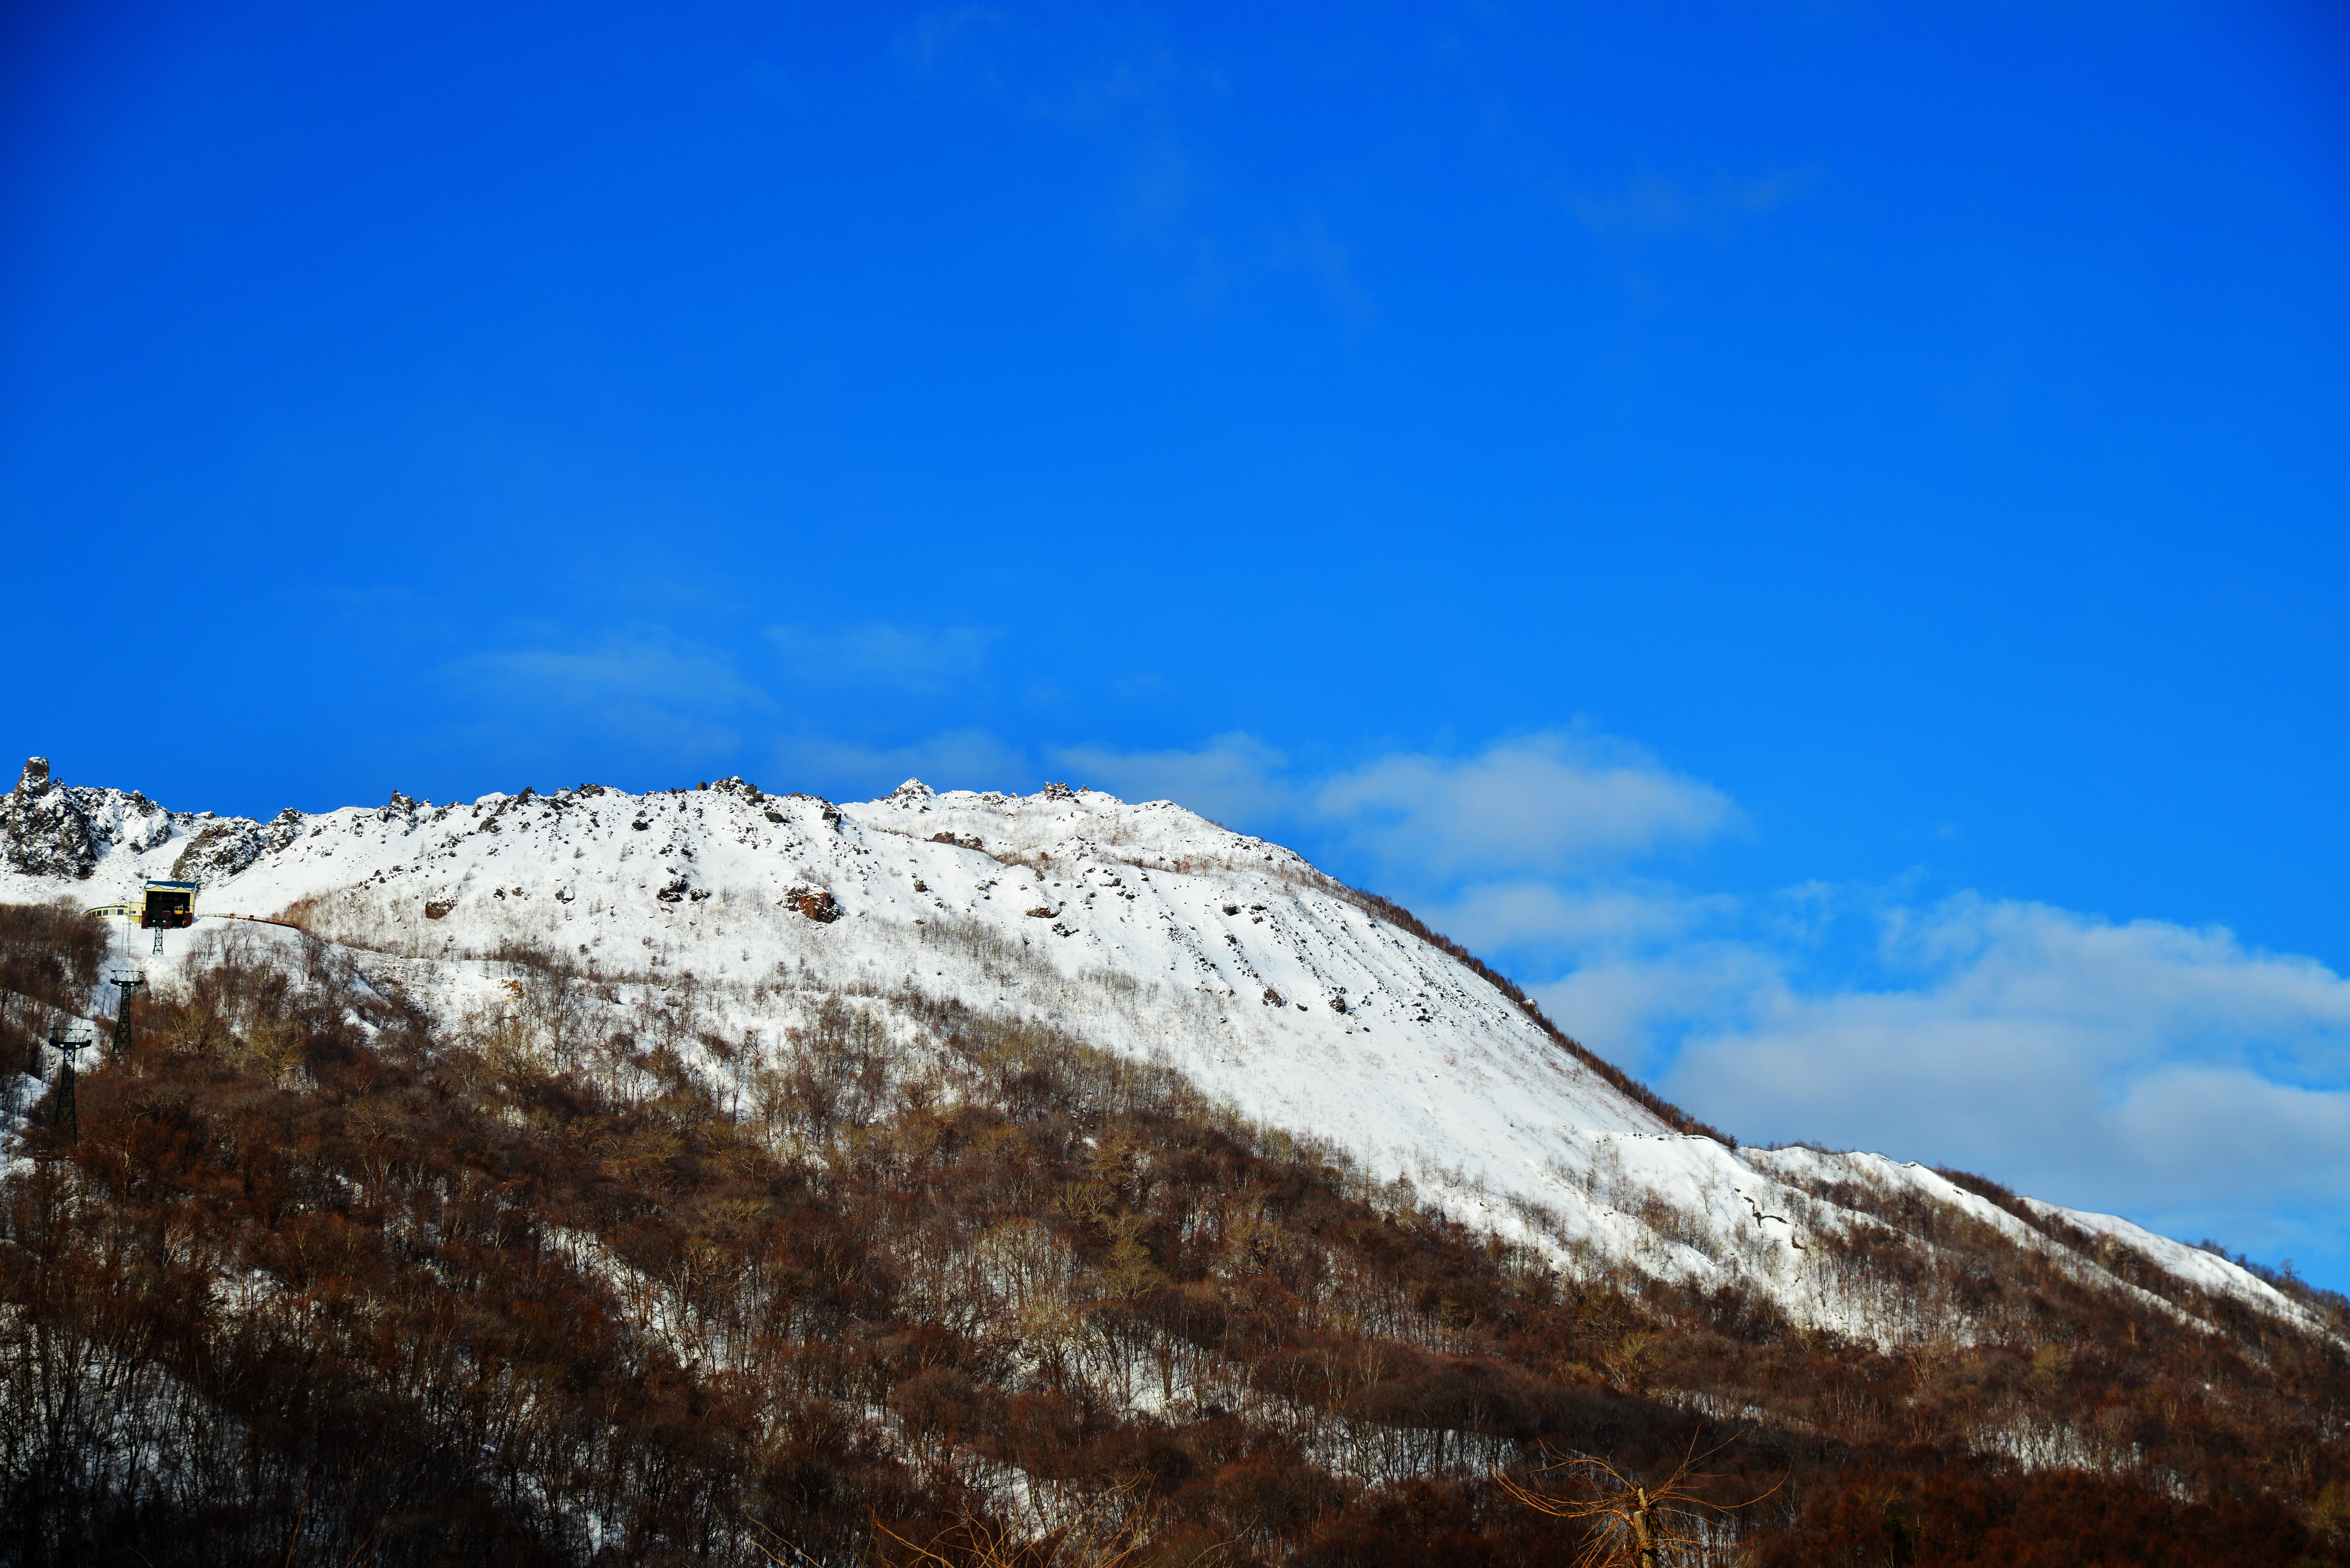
(126,983)
(65,1111)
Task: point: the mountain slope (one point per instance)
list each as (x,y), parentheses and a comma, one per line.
(1145,929)
(688,1177)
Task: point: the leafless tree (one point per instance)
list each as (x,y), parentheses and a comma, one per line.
(1635,1524)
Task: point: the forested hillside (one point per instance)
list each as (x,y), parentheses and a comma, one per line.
(338,1272)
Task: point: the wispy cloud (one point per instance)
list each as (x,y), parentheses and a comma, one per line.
(641,686)
(922,660)
(1310,250)
(1548,802)
(650,699)
(1650,206)
(947,40)
(1120,85)
(1545,803)
(1615,915)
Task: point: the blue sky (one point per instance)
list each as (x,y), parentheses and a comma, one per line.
(1813,532)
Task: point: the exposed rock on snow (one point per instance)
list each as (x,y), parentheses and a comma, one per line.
(220,849)
(816,903)
(48,829)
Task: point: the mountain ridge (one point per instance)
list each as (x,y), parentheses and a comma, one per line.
(1306,1003)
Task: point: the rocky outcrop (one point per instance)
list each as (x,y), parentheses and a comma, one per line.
(43,830)
(816,903)
(283,829)
(49,829)
(220,848)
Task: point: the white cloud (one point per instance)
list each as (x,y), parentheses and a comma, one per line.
(2147,979)
(1548,802)
(2142,1068)
(2232,1135)
(1584,917)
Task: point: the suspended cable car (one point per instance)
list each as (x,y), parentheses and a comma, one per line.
(170,904)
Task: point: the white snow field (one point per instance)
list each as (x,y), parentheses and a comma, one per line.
(1144,930)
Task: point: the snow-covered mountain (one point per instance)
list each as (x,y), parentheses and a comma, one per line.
(1144,930)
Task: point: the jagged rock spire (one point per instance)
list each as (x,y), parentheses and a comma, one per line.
(43,830)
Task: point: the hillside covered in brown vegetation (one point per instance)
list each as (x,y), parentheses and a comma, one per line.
(329,1276)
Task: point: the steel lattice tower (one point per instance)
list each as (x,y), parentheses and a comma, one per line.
(126,983)
(66,1111)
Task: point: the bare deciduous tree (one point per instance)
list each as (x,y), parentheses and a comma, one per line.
(1635,1524)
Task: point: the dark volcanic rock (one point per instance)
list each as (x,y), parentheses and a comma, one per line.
(45,829)
(57,831)
(49,829)
(219,850)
